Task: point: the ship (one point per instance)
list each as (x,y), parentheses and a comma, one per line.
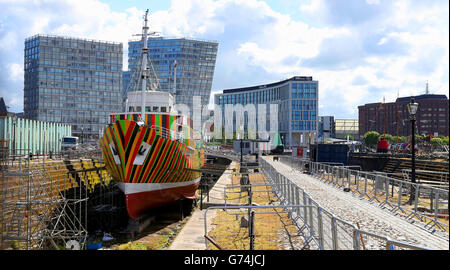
(149,149)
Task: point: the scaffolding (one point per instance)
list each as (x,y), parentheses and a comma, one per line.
(42,207)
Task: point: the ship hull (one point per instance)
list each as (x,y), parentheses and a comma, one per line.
(142,197)
(151,169)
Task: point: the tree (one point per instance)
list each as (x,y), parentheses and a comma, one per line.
(436,141)
(401,139)
(445,140)
(371,138)
(388,137)
(350,137)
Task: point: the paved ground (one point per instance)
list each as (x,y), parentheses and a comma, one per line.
(369,215)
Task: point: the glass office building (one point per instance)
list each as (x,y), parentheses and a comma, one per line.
(73,81)
(195,60)
(297,100)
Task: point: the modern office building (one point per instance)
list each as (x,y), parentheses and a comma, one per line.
(297,100)
(195,62)
(393,117)
(73,81)
(327,127)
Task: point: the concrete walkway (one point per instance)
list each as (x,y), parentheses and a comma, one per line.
(191,237)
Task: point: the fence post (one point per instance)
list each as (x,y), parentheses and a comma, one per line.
(436,206)
(349,177)
(416,199)
(386,189)
(311,220)
(357,180)
(252,230)
(320,225)
(286,189)
(332,175)
(293,192)
(329,172)
(334,233)
(305,208)
(356,238)
(400,191)
(290,188)
(365,184)
(376,185)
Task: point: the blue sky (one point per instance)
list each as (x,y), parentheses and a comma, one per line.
(359,50)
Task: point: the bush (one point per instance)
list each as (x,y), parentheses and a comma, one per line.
(371,138)
(437,141)
(400,139)
(350,137)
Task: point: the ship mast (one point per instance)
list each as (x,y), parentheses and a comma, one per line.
(175,64)
(144,64)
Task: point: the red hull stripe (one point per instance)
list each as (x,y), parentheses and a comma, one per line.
(139,203)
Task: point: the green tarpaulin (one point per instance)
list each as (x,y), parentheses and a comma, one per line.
(276,140)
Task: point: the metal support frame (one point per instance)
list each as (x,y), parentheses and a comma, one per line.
(36,211)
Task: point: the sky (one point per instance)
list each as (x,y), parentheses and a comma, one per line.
(360,51)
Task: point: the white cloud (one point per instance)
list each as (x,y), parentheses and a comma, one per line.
(16,71)
(373,2)
(384,43)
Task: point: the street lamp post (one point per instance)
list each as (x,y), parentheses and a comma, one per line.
(412,109)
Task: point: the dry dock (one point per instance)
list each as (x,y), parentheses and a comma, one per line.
(192,235)
(378,227)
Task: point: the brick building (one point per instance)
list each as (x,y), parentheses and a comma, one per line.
(393,117)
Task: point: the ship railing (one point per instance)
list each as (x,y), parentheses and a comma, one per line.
(167,133)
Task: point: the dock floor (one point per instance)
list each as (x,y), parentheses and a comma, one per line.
(191,237)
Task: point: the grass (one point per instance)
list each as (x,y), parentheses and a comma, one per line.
(273,231)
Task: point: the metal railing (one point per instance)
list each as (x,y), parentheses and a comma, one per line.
(257,236)
(428,204)
(328,231)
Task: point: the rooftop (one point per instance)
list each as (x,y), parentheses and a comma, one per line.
(422,97)
(263,86)
(174,38)
(75,38)
(407,99)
